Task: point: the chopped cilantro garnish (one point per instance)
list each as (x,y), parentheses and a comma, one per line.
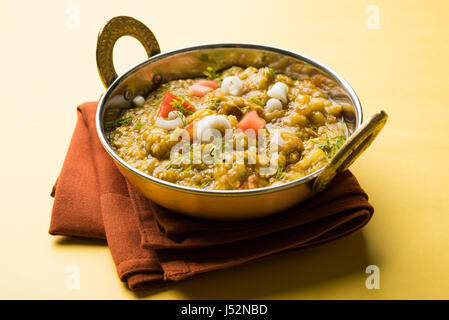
(118,123)
(188,168)
(280,173)
(214,104)
(271,72)
(157,102)
(200,186)
(258,101)
(178,104)
(331,145)
(138,125)
(180,116)
(212,74)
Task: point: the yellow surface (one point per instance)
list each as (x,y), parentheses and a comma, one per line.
(46,69)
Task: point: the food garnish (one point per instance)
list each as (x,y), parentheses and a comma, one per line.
(212,74)
(214,104)
(257,101)
(271,72)
(199,90)
(118,123)
(181,105)
(331,145)
(207,83)
(280,173)
(138,125)
(172,102)
(251,120)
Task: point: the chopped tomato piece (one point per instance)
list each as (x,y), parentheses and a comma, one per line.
(244,186)
(252,182)
(208,83)
(199,90)
(251,120)
(166,106)
(191,128)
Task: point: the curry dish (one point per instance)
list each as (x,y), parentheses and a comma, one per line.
(163,134)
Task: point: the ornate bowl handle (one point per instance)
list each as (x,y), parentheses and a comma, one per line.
(358,142)
(113,30)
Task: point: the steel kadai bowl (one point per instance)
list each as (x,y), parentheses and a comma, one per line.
(190,62)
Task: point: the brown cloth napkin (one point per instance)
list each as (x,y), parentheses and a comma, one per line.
(152,246)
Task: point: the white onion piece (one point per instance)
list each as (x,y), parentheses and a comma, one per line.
(217,122)
(175,114)
(232,85)
(279,91)
(168,124)
(273,104)
(139,101)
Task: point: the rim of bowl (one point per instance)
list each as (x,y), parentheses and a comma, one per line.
(101,135)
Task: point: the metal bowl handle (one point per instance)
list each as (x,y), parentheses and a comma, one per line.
(113,30)
(358,142)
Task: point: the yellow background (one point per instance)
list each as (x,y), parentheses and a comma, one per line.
(47,69)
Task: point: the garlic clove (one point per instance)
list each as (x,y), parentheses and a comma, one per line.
(279,91)
(273,104)
(168,124)
(139,101)
(232,85)
(212,122)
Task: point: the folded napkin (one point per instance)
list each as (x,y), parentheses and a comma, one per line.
(152,246)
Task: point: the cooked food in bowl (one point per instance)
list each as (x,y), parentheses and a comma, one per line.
(183,126)
(235,129)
